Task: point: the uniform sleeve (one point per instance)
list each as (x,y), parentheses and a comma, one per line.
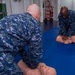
(62,30)
(35,52)
(71,30)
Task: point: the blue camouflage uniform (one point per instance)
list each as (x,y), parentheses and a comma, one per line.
(67,26)
(17,31)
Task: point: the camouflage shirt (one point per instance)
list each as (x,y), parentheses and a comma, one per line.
(67,26)
(17,31)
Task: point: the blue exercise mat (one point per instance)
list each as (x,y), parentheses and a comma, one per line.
(58,55)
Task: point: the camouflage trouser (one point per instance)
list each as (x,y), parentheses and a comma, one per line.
(8,66)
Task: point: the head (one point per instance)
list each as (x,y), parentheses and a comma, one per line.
(34,10)
(64,12)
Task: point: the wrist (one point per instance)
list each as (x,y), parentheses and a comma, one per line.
(22,66)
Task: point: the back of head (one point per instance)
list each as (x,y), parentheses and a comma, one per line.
(34,10)
(64,11)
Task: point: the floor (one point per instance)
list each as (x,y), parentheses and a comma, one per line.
(58,55)
(49,25)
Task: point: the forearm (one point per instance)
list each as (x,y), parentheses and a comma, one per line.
(71,30)
(62,30)
(35,53)
(33,61)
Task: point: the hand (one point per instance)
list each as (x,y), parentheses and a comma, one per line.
(68,41)
(59,39)
(29,71)
(26,70)
(43,68)
(46,70)
(64,38)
